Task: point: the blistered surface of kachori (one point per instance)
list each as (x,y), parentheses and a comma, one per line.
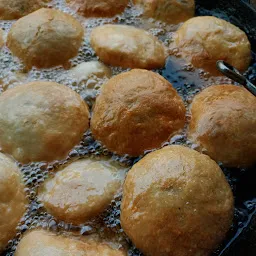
(15,9)
(223,124)
(136,111)
(82,190)
(41,121)
(204,40)
(41,243)
(45,38)
(127,47)
(98,8)
(176,202)
(12,200)
(169,11)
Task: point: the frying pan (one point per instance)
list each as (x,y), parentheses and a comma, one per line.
(241,240)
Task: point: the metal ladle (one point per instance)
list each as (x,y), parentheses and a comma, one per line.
(232,73)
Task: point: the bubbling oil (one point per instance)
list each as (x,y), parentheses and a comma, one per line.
(187,80)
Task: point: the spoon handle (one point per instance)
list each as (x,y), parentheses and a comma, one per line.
(232,73)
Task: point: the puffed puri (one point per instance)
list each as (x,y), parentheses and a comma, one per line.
(204,40)
(176,202)
(13,200)
(223,124)
(41,121)
(137,111)
(169,11)
(82,190)
(42,243)
(15,9)
(91,69)
(98,8)
(45,38)
(127,47)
